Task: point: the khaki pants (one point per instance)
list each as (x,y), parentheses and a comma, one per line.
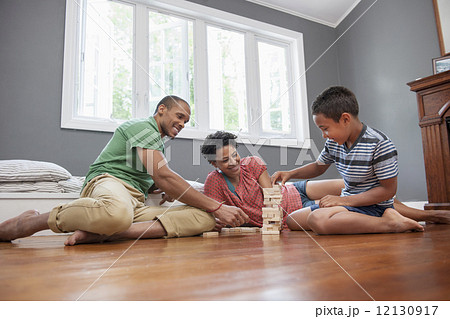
(108,205)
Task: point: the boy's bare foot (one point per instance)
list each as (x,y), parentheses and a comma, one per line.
(84,237)
(19,226)
(398,223)
(438,216)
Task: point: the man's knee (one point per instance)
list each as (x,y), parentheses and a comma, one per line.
(204,222)
(188,221)
(117,218)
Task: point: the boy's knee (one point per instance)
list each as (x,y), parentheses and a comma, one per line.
(291,223)
(316,222)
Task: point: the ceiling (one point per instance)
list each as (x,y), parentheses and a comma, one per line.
(328,12)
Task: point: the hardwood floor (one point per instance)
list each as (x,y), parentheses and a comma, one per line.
(293,266)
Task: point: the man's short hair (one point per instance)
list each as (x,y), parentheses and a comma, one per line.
(335,101)
(216,141)
(169,101)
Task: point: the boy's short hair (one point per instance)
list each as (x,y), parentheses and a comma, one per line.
(334,101)
(169,101)
(216,141)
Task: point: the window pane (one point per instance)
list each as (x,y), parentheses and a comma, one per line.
(106,81)
(274,88)
(171,53)
(226,79)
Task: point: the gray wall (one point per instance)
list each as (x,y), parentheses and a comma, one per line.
(31,61)
(392,44)
(375,58)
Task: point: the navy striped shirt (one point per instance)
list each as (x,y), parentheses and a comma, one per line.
(373,157)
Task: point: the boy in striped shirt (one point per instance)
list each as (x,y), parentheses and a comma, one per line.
(366,159)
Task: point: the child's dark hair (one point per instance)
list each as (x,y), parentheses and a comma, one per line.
(334,101)
(216,141)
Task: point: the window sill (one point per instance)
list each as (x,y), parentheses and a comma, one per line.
(288,142)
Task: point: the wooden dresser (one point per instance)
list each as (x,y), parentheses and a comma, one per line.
(433,99)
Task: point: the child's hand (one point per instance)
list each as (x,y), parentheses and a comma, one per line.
(332,200)
(280,176)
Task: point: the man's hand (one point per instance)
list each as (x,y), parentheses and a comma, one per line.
(332,200)
(230,215)
(165,198)
(219,225)
(280,176)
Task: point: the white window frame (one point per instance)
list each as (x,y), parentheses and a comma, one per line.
(201,17)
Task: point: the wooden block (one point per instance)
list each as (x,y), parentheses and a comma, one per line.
(210,234)
(271,222)
(271,191)
(270,210)
(270,203)
(248,229)
(275,226)
(272,218)
(225,230)
(270,232)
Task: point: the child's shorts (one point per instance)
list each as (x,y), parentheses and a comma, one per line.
(372,210)
(301,188)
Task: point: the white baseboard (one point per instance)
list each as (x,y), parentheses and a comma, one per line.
(418,205)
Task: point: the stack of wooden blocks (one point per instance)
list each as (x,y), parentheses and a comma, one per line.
(272,214)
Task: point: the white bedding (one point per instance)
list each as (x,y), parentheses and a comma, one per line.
(24,176)
(71,185)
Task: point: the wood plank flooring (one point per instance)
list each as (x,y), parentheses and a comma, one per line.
(293,266)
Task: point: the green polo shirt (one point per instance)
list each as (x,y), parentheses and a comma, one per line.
(119,157)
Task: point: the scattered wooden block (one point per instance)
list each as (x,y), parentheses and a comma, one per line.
(248,229)
(210,234)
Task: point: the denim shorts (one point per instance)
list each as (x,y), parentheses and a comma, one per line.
(301,188)
(372,210)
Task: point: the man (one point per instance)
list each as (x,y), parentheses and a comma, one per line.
(117,183)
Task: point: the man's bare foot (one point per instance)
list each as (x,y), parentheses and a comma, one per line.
(398,223)
(84,237)
(19,226)
(438,216)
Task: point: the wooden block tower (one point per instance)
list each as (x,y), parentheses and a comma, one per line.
(272,214)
